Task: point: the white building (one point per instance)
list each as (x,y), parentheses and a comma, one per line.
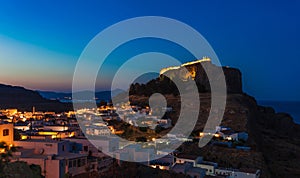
(54,157)
(97,146)
(98,130)
(135,153)
(209,167)
(234,173)
(188,169)
(183,158)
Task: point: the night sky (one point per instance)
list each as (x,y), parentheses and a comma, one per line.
(41,41)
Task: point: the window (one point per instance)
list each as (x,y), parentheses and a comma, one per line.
(63,148)
(83,162)
(5,132)
(74,163)
(86,148)
(70,163)
(79,164)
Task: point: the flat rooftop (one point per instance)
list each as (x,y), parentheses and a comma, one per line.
(42,140)
(33,154)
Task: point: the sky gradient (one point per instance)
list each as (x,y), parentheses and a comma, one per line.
(40,41)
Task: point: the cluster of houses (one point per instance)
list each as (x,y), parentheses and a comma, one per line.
(143,117)
(195,166)
(71,156)
(225,136)
(57,144)
(95,122)
(189,165)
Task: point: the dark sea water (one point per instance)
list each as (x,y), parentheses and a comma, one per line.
(290,107)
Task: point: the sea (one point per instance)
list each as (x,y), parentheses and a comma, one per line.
(290,107)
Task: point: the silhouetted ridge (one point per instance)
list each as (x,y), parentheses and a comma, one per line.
(24,99)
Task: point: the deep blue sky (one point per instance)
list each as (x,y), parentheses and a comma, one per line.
(40,41)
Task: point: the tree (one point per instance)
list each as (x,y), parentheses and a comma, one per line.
(20,169)
(5,153)
(141,139)
(158,129)
(143,129)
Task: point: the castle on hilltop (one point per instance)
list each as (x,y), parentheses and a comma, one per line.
(194,71)
(190,66)
(185,71)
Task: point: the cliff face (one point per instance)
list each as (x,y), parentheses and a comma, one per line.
(233,79)
(272,135)
(195,71)
(278,138)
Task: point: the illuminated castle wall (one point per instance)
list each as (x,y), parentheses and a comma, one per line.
(189,73)
(194,71)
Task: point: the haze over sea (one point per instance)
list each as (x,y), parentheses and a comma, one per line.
(290,107)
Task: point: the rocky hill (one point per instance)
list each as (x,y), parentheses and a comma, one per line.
(273,137)
(198,71)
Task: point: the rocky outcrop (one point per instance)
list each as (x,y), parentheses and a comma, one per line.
(278,138)
(233,79)
(199,70)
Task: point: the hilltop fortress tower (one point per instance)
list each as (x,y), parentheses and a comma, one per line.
(195,71)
